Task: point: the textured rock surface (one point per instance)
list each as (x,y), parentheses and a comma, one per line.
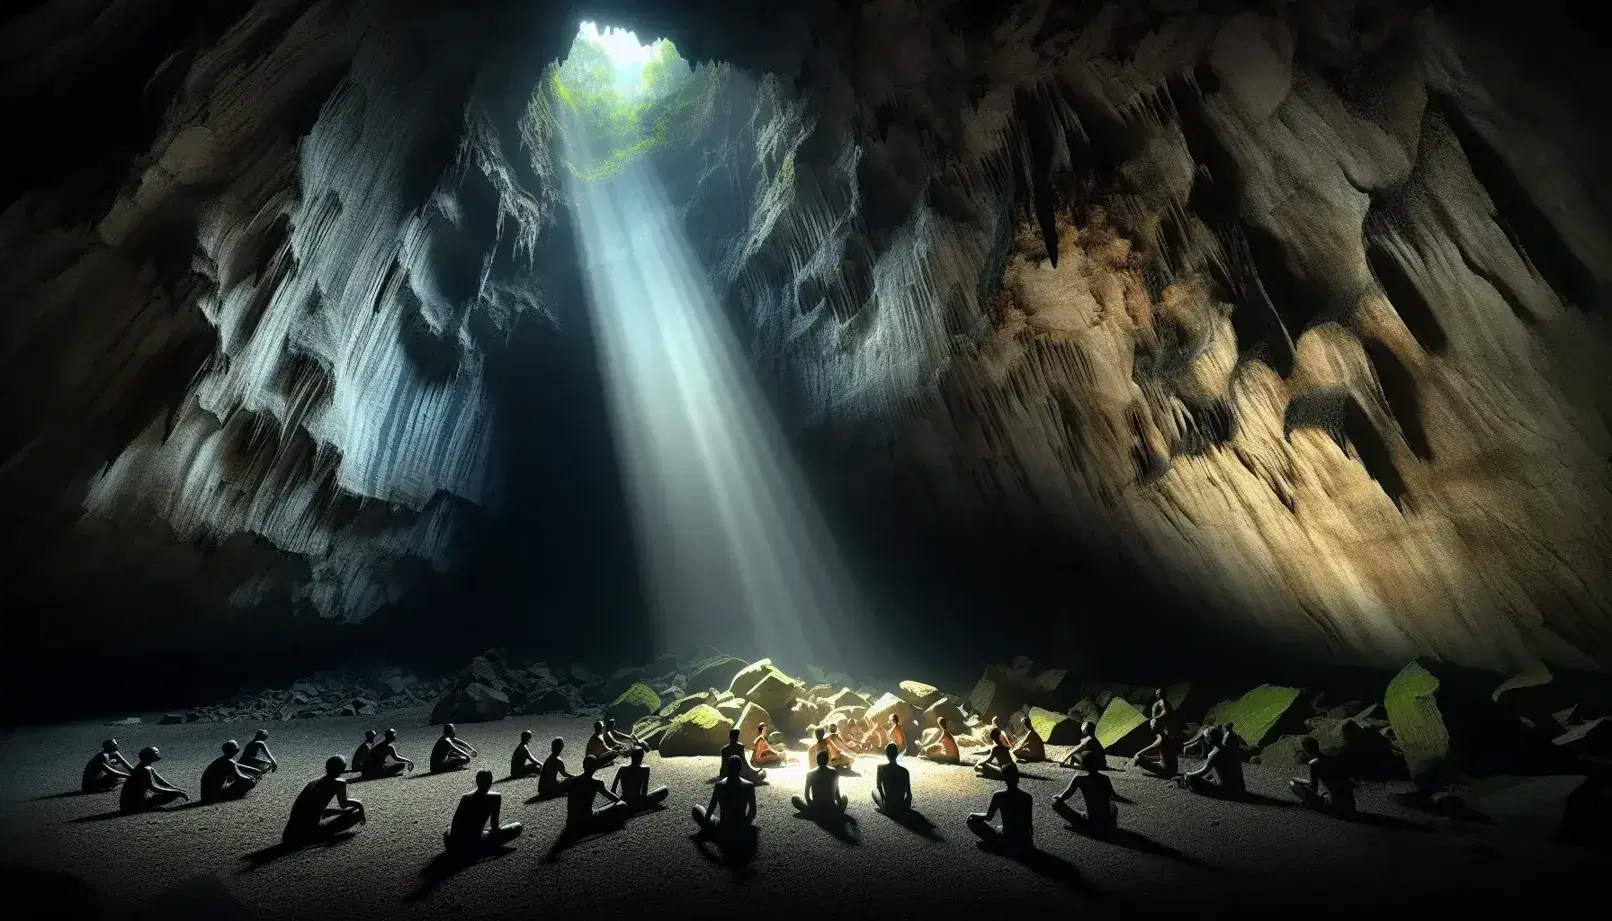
(1302,310)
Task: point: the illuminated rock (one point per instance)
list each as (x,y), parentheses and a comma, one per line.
(715,672)
(750,720)
(701,731)
(1001,691)
(881,709)
(633,704)
(1055,728)
(1265,712)
(948,708)
(1123,729)
(920,695)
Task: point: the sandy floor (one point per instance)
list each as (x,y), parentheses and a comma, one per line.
(1187,853)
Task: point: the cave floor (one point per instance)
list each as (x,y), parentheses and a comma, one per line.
(1191,853)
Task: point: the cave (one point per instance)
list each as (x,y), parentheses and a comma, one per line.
(849,350)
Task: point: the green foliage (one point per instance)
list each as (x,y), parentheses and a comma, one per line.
(623,118)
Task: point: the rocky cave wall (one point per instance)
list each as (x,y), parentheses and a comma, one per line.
(1301,306)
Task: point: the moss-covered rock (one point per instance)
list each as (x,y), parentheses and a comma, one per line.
(1418,723)
(1447,724)
(620,680)
(1266,712)
(1001,691)
(1285,755)
(1123,729)
(701,731)
(1055,728)
(683,704)
(920,695)
(764,684)
(731,707)
(714,672)
(636,702)
(647,725)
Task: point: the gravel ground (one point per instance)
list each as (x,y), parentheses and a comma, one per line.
(1187,853)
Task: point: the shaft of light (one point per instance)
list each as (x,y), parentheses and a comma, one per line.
(735,551)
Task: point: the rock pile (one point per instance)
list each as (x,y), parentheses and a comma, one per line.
(323,694)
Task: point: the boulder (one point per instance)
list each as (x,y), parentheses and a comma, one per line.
(541,672)
(881,709)
(1059,688)
(584,677)
(481,670)
(921,696)
(171,719)
(636,702)
(846,699)
(684,704)
(824,691)
(1365,753)
(713,672)
(363,706)
(769,687)
(1085,710)
(654,737)
(1023,665)
(1123,728)
(1535,694)
(701,731)
(1266,712)
(554,698)
(620,680)
(750,720)
(731,708)
(946,706)
(647,725)
(1055,728)
(664,664)
(843,717)
(1212,715)
(1101,692)
(1446,725)
(805,712)
(1284,755)
(477,703)
(1001,691)
(1567,806)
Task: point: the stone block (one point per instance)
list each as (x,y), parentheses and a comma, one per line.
(702,731)
(632,704)
(1055,728)
(1267,712)
(1123,728)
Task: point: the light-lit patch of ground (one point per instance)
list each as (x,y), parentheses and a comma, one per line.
(1185,852)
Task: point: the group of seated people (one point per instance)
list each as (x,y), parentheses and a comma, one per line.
(232,775)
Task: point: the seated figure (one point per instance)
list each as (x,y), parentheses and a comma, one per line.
(1101,814)
(839,741)
(944,748)
(257,754)
(732,808)
(762,752)
(600,748)
(521,763)
(1032,747)
(310,820)
(475,824)
(823,797)
(355,765)
(1328,788)
(1016,806)
(735,747)
(384,761)
(106,769)
(554,779)
(892,786)
(145,789)
(1222,773)
(632,782)
(898,732)
(580,816)
(1088,745)
(450,753)
(836,757)
(1007,737)
(621,740)
(225,778)
(998,758)
(874,738)
(1162,755)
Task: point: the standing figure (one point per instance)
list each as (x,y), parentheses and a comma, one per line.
(450,753)
(106,769)
(225,778)
(475,825)
(310,821)
(633,782)
(1017,834)
(257,754)
(892,786)
(521,763)
(145,789)
(384,761)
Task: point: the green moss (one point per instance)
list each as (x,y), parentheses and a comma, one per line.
(704,717)
(1413,712)
(1119,721)
(1053,727)
(1259,711)
(640,695)
(646,726)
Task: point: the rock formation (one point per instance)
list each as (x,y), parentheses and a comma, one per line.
(1300,306)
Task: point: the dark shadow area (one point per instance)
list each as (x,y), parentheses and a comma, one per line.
(1402,290)
(450,863)
(1399,390)
(569,837)
(262,857)
(202,898)
(735,850)
(1379,820)
(67,896)
(912,820)
(1136,841)
(841,825)
(544,798)
(1047,865)
(114,814)
(69,794)
(1336,411)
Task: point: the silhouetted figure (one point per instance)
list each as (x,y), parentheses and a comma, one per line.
(106,769)
(450,753)
(1222,772)
(475,823)
(257,754)
(733,803)
(762,753)
(1162,756)
(1088,745)
(554,779)
(1007,737)
(1101,814)
(998,758)
(1033,747)
(823,797)
(580,816)
(1328,788)
(736,748)
(1017,834)
(836,757)
(310,820)
(225,778)
(521,763)
(632,780)
(622,740)
(145,789)
(1230,740)
(600,748)
(892,786)
(944,749)
(1161,710)
(384,761)
(361,754)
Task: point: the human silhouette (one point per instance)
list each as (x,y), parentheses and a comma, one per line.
(310,820)
(257,754)
(1088,745)
(998,758)
(145,789)
(892,785)
(1222,771)
(1032,747)
(1162,756)
(1017,834)
(944,748)
(836,757)
(106,769)
(1007,737)
(450,753)
(521,762)
(476,823)
(600,748)
(762,753)
(554,779)
(632,780)
(384,761)
(1094,786)
(225,778)
(732,808)
(580,816)
(823,797)
(360,758)
(1162,710)
(621,740)
(735,747)
(1328,788)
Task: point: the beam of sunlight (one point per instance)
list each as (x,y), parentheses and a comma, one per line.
(735,550)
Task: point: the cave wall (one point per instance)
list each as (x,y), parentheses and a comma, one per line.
(1300,307)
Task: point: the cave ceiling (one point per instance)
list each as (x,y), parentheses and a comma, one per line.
(1302,306)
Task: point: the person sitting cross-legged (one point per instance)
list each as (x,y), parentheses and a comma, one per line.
(823,798)
(999,757)
(1328,788)
(225,778)
(310,820)
(580,816)
(732,808)
(944,749)
(450,753)
(1017,834)
(632,782)
(1094,786)
(892,786)
(1032,747)
(476,825)
(736,747)
(763,753)
(1222,772)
